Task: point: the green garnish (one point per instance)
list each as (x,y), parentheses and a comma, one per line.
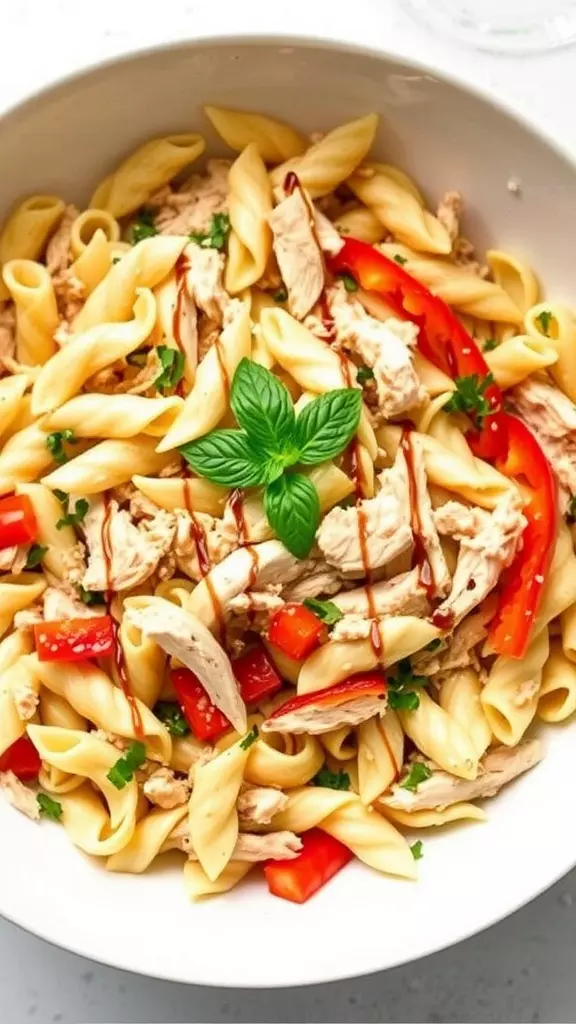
(281,295)
(325,610)
(490,344)
(400,259)
(217,235)
(349,283)
(331,780)
(49,808)
(172,362)
(55,444)
(417,850)
(115,260)
(401,687)
(35,555)
(76,517)
(364,373)
(271,441)
(123,771)
(144,227)
(90,597)
(138,358)
(249,738)
(543,320)
(172,717)
(571,513)
(418,773)
(61,495)
(434,644)
(470,397)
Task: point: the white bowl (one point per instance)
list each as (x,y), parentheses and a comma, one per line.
(446,137)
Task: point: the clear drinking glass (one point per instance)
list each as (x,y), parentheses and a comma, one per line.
(512,26)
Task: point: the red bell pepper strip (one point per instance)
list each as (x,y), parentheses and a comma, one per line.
(74,639)
(520,595)
(22,758)
(17,521)
(296,631)
(363,684)
(205,720)
(256,675)
(441,336)
(298,879)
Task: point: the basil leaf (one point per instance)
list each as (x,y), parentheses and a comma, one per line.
(292,507)
(172,362)
(76,517)
(326,425)
(226,457)
(263,407)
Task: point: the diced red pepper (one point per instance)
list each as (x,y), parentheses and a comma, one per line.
(206,721)
(521,592)
(441,336)
(256,675)
(75,639)
(22,758)
(363,684)
(298,879)
(296,631)
(17,521)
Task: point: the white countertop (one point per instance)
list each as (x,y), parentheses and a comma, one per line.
(521,970)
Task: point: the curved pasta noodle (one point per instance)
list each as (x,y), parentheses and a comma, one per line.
(293,765)
(249,204)
(441,738)
(207,402)
(16,593)
(115,416)
(557,694)
(360,222)
(518,357)
(31,288)
(340,743)
(198,885)
(145,663)
(12,651)
(568,632)
(55,710)
(560,588)
(213,816)
(171,493)
(380,755)
(25,232)
(87,224)
(515,277)
(65,373)
(177,589)
(329,162)
(510,696)
(22,416)
(146,170)
(289,668)
(59,541)
(107,465)
(24,457)
(336,660)
(147,840)
(274,140)
(185,752)
(307,807)
(399,211)
(371,838)
(93,263)
(459,696)
(560,333)
(434,818)
(11,394)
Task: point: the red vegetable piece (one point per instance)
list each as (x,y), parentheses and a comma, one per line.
(296,631)
(256,675)
(320,859)
(362,684)
(205,720)
(22,758)
(74,639)
(17,521)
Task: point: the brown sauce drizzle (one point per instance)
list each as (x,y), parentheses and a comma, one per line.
(200,541)
(420,558)
(118,655)
(443,620)
(181,269)
(236,503)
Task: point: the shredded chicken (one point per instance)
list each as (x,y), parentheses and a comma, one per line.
(402,595)
(320,579)
(273,846)
(133,551)
(298,252)
(458,650)
(257,805)
(25,699)
(449,212)
(551,416)
(488,543)
(204,269)
(13,559)
(74,562)
(205,533)
(62,602)
(464,256)
(423,518)
(70,291)
(163,789)
(316,719)
(22,798)
(190,210)
(497,768)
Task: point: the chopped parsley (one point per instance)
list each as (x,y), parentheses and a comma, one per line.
(349,283)
(325,610)
(90,596)
(123,771)
(249,738)
(400,259)
(401,687)
(115,259)
(543,320)
(418,773)
(364,373)
(35,555)
(217,235)
(571,513)
(138,358)
(61,495)
(281,295)
(417,850)
(331,780)
(144,227)
(49,808)
(76,517)
(490,344)
(55,444)
(172,717)
(434,644)
(470,397)
(172,362)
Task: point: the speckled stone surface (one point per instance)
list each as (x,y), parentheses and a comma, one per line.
(520,970)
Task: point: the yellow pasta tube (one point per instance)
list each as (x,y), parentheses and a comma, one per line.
(186,750)
(380,755)
(289,668)
(145,663)
(177,589)
(31,288)
(213,817)
(12,390)
(116,416)
(371,838)
(22,416)
(249,203)
(510,696)
(274,140)
(271,764)
(58,541)
(515,277)
(147,840)
(568,632)
(198,885)
(207,402)
(16,593)
(171,493)
(557,695)
(65,373)
(93,263)
(55,710)
(87,224)
(340,743)
(329,162)
(441,738)
(459,696)
(13,674)
(553,324)
(308,806)
(147,169)
(518,357)
(399,211)
(360,222)
(560,588)
(107,465)
(24,234)
(433,818)
(24,457)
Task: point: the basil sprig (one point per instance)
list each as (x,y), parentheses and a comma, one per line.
(271,441)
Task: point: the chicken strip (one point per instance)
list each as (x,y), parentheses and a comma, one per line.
(402,595)
(132,552)
(257,805)
(22,798)
(316,719)
(298,252)
(190,210)
(551,417)
(204,269)
(163,789)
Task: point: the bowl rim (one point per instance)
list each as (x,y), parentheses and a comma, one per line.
(306,40)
